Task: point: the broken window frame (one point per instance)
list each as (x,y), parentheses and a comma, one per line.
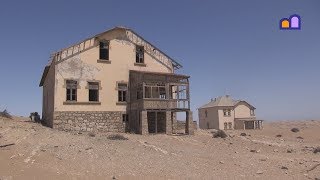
(155,91)
(227,112)
(104,50)
(71,90)
(122,92)
(139,54)
(252,112)
(225,126)
(93,91)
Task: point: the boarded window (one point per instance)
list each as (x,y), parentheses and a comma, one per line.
(139,54)
(104,50)
(122,92)
(71,90)
(93,91)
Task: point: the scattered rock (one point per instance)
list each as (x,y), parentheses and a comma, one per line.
(264,159)
(259,172)
(220,133)
(316,150)
(114,177)
(275,150)
(55,146)
(92,134)
(88,148)
(279,135)
(221,162)
(117,137)
(254,151)
(243,134)
(289,150)
(295,130)
(284,167)
(299,137)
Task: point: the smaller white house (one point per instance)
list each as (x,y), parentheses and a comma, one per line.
(225,113)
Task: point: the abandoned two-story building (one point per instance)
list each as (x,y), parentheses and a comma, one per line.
(227,114)
(115,81)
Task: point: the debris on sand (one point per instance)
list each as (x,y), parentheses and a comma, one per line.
(243,134)
(254,151)
(284,167)
(259,172)
(6,145)
(279,135)
(117,137)
(220,134)
(92,134)
(289,150)
(295,130)
(316,150)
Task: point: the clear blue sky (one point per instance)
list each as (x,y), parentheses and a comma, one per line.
(225,46)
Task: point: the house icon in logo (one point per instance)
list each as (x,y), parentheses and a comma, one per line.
(291,23)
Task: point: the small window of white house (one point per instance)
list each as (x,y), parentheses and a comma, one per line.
(122,92)
(252,112)
(140,54)
(206,113)
(225,126)
(227,112)
(93,91)
(71,90)
(104,50)
(230,125)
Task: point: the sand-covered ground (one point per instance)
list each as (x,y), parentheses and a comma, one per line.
(43,153)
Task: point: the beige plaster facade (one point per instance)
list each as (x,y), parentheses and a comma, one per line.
(82,64)
(227,114)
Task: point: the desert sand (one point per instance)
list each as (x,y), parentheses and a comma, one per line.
(40,152)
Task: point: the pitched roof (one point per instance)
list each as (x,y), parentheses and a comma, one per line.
(223,101)
(175,64)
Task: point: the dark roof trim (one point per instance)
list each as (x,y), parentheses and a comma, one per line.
(44,75)
(159,73)
(244,102)
(175,63)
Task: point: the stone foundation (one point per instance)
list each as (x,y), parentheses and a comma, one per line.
(180,126)
(102,121)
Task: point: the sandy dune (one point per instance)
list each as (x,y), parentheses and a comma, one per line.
(43,153)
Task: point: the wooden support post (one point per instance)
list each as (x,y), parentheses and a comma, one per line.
(156,122)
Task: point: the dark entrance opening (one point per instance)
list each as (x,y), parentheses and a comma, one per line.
(249,124)
(156,122)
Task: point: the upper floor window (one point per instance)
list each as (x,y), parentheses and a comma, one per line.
(104,50)
(206,112)
(252,112)
(139,54)
(226,112)
(71,90)
(93,91)
(122,92)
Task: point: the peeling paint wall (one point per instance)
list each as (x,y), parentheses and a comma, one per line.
(84,67)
